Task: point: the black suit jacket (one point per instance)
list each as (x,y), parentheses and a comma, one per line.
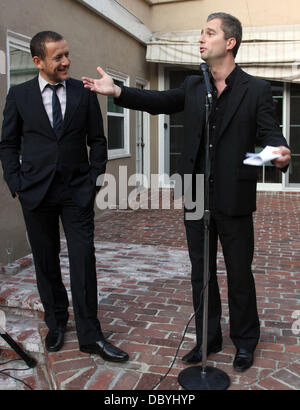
(27,134)
(249,121)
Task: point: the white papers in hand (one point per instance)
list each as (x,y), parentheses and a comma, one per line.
(262,157)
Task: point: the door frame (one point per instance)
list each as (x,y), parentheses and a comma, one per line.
(146,133)
(163,134)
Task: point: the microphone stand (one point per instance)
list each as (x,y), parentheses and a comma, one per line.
(205,377)
(30,361)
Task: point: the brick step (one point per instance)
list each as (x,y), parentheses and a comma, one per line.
(18,293)
(135,264)
(20,309)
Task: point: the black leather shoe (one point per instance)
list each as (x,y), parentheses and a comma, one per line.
(55,339)
(195,355)
(106,350)
(243,360)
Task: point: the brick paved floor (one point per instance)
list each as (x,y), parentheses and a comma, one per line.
(145,303)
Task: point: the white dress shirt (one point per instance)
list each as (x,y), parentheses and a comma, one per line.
(47,97)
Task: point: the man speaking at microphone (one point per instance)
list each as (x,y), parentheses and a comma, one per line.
(242,117)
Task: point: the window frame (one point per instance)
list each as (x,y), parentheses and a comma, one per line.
(121,152)
(274,185)
(17,41)
(286,176)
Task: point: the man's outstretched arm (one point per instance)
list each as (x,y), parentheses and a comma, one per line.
(154,102)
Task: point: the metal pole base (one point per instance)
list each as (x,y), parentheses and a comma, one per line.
(194,378)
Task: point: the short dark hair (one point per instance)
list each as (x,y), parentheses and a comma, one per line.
(37,44)
(231,26)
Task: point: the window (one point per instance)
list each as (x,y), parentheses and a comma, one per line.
(294,134)
(20,64)
(117,125)
(268,173)
(2,62)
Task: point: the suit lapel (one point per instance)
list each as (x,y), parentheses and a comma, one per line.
(74,93)
(239,89)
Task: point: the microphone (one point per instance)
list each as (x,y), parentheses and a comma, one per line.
(205,70)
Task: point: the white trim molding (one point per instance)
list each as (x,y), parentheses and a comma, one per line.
(19,41)
(125,151)
(118,15)
(2,62)
(146,130)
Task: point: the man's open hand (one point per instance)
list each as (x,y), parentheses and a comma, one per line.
(104,86)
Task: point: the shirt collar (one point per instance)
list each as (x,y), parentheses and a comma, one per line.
(229,79)
(43,83)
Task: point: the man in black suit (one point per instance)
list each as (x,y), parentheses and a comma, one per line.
(50,121)
(242,117)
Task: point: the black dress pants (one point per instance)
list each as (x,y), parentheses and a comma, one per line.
(237,239)
(43,231)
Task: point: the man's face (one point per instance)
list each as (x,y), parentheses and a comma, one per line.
(55,66)
(213,45)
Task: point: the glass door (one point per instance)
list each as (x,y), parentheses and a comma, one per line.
(176,123)
(293,178)
(140,144)
(268,173)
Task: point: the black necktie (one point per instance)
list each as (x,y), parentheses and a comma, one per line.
(56,110)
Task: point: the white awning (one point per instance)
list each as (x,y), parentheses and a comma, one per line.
(271,52)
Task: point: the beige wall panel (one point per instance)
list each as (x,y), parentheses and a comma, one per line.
(188,14)
(140,8)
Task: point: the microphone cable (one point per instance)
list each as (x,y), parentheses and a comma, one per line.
(15,370)
(183,336)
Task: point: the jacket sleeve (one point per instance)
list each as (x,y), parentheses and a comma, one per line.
(96,139)
(10,144)
(153,102)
